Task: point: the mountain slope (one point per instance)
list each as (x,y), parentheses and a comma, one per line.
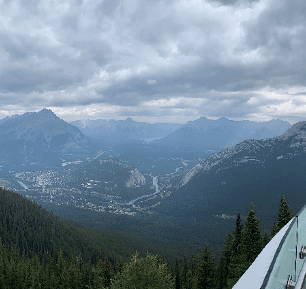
(219,134)
(254,170)
(40,137)
(36,231)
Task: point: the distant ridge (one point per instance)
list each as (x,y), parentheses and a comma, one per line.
(118,131)
(218,134)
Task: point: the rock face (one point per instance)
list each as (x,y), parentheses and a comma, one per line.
(253,170)
(40,137)
(136,179)
(222,133)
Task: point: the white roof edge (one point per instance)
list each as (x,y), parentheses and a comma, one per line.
(255,275)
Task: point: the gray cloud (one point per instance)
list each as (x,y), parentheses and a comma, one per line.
(233,57)
(279,34)
(234,2)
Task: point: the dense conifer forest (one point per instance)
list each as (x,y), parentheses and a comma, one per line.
(40,250)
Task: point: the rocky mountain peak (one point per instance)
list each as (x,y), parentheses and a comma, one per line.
(41,136)
(129,120)
(203,118)
(297,130)
(47,112)
(33,125)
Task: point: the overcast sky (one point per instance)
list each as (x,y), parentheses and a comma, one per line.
(154,60)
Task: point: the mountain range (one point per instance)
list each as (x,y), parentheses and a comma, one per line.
(207,134)
(122,131)
(43,138)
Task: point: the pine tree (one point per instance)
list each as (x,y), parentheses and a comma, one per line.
(284,215)
(177,273)
(205,276)
(36,273)
(4,272)
(144,273)
(193,266)
(185,273)
(252,236)
(74,276)
(49,273)
(107,273)
(60,271)
(97,275)
(274,230)
(191,273)
(238,258)
(265,239)
(225,261)
(238,237)
(119,265)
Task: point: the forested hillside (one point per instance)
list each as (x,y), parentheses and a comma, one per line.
(40,250)
(36,231)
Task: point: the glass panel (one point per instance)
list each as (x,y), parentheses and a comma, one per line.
(287,259)
(301,240)
(284,264)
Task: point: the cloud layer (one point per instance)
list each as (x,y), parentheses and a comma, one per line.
(161,60)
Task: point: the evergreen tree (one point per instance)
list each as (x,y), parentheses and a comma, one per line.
(97,275)
(193,266)
(237,248)
(107,272)
(177,273)
(284,215)
(191,273)
(185,273)
(238,259)
(225,261)
(144,273)
(60,271)
(74,274)
(265,239)
(3,267)
(36,272)
(205,276)
(274,230)
(119,265)
(49,276)
(252,236)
